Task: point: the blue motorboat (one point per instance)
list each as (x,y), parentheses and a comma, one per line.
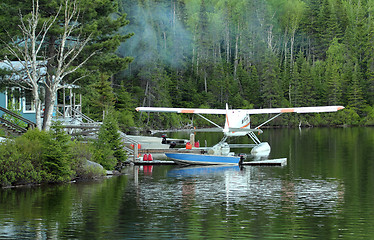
(219,154)
(203,159)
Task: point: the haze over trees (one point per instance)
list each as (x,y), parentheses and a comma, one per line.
(204,53)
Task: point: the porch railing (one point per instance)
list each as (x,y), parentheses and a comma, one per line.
(30,124)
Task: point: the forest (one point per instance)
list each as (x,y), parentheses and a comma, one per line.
(206,53)
(252,54)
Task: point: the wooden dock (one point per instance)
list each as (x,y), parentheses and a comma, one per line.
(270,162)
(154,162)
(141,145)
(173,150)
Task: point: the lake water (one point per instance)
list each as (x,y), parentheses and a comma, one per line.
(326,191)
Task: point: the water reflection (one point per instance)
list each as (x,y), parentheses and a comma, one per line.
(249,196)
(171,202)
(324,192)
(191,171)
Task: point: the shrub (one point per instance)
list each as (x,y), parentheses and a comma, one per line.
(37,156)
(109,146)
(90,172)
(105,156)
(16,166)
(369,115)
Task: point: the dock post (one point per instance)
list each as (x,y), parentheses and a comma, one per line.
(192,139)
(135,152)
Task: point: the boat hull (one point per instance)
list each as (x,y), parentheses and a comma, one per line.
(201,159)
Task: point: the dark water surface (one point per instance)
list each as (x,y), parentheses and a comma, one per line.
(326,191)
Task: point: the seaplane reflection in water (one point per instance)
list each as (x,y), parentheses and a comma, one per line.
(237,123)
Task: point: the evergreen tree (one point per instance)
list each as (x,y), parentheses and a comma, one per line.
(271,93)
(124,106)
(109,147)
(334,71)
(101,98)
(328,26)
(308,87)
(355,99)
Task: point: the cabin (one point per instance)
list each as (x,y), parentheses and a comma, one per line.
(19,100)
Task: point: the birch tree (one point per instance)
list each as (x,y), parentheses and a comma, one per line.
(69,48)
(31,53)
(26,51)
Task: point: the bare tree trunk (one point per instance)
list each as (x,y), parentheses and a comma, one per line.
(219,52)
(205,81)
(285,49)
(62,61)
(38,107)
(270,37)
(227,37)
(164,33)
(50,98)
(174,16)
(236,62)
(193,53)
(27,54)
(59,61)
(48,82)
(291,48)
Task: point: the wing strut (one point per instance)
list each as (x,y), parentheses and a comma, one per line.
(262,124)
(198,114)
(254,138)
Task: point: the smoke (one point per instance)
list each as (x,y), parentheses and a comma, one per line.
(160,37)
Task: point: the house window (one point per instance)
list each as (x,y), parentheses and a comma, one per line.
(13,99)
(28,102)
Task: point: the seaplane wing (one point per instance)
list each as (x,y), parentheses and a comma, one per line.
(245,111)
(296,110)
(181,110)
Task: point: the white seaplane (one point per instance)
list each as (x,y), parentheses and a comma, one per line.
(238,123)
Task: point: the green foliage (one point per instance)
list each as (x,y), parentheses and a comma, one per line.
(124,106)
(105,157)
(82,152)
(16,164)
(109,147)
(369,115)
(30,159)
(100,99)
(347,116)
(44,157)
(90,172)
